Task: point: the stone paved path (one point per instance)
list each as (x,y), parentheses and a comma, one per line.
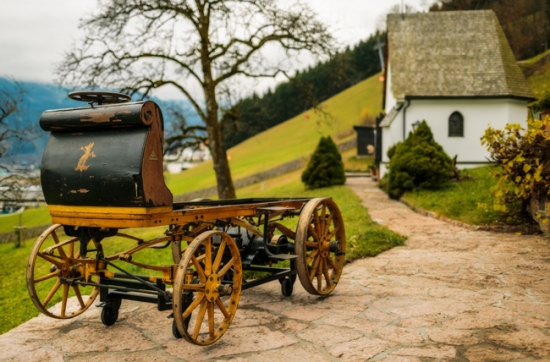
(449,295)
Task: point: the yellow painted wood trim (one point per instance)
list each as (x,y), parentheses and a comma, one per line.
(134,221)
(109,209)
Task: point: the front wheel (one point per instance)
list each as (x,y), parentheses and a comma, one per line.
(109,315)
(287,287)
(203,318)
(53,270)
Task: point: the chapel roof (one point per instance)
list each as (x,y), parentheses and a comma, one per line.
(452,54)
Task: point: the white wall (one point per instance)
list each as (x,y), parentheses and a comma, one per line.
(478,115)
(390,101)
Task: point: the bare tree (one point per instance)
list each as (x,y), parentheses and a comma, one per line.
(12,135)
(182,134)
(11,103)
(196,46)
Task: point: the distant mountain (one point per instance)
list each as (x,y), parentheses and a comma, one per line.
(41,97)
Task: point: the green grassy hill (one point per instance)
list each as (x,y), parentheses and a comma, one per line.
(292,139)
(539,79)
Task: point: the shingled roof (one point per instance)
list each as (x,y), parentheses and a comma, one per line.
(452,54)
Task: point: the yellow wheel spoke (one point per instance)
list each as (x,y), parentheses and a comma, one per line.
(64,299)
(331,262)
(320,266)
(195,287)
(226,267)
(314,267)
(211,320)
(56,239)
(322,220)
(200,318)
(315,217)
(332,233)
(208,256)
(50,258)
(193,305)
(199,268)
(47,276)
(311,256)
(52,293)
(219,256)
(312,245)
(313,233)
(326,274)
(220,305)
(79,296)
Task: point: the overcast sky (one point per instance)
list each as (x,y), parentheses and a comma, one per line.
(34,34)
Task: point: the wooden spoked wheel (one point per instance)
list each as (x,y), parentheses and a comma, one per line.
(320,246)
(53,266)
(207,287)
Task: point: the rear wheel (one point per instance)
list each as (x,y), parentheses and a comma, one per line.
(320,246)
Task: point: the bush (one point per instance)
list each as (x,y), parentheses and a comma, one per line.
(417,162)
(523,160)
(325,168)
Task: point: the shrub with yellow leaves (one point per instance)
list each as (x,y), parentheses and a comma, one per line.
(523,162)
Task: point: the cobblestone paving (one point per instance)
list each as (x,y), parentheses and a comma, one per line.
(450,294)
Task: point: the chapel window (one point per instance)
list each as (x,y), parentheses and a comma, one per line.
(456,125)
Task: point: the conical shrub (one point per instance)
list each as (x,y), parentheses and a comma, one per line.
(325,168)
(417,162)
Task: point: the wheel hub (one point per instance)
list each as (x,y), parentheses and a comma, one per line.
(211,287)
(324,248)
(66,270)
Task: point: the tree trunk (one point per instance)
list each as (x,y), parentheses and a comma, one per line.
(226,190)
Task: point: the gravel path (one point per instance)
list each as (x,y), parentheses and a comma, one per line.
(450,294)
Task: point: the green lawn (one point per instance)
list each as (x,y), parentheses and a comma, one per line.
(468,200)
(29,218)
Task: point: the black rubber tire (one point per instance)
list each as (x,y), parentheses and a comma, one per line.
(287,286)
(109,315)
(188,299)
(175,331)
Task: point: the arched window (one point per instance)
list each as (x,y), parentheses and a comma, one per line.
(456,125)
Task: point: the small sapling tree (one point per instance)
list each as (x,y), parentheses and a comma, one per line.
(325,168)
